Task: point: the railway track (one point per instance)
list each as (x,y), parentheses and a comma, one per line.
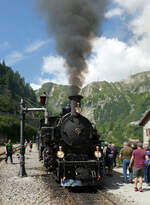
(69,199)
(106,200)
(78,195)
(96,197)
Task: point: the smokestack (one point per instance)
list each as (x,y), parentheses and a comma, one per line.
(75,100)
(73,24)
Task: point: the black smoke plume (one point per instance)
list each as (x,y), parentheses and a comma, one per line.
(73,24)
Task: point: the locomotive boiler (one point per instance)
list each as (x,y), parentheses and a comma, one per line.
(70,147)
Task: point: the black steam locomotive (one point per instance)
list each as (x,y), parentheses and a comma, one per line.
(70,147)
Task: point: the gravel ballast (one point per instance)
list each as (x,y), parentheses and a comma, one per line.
(40,188)
(35,189)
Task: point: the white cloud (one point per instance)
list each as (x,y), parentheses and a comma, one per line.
(140,27)
(114,60)
(138,23)
(35,86)
(57,79)
(14,57)
(114,12)
(140,15)
(54,66)
(35,46)
(132,5)
(43,80)
(40,82)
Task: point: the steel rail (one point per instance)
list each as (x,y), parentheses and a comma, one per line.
(69,200)
(106,199)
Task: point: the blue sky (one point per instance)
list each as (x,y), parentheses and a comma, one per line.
(23,38)
(121,50)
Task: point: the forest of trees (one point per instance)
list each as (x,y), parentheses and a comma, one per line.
(12,89)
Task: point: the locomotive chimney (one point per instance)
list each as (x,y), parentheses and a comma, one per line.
(75,104)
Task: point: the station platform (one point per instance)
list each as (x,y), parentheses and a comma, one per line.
(124,194)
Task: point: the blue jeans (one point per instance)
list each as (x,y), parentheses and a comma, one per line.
(147,174)
(125,166)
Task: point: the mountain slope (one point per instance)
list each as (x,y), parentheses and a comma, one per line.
(114,108)
(12,89)
(57,96)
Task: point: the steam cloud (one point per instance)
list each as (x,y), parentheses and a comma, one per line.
(73,23)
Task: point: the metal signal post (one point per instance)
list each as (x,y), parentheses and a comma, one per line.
(22,171)
(23,110)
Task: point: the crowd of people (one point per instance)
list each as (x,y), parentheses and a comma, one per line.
(135,159)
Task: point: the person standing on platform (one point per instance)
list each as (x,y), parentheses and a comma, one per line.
(108,157)
(138,156)
(147,168)
(30,146)
(26,143)
(115,152)
(9,151)
(125,156)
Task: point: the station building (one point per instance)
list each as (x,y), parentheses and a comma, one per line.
(145,122)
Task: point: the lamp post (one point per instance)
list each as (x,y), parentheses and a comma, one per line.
(22,171)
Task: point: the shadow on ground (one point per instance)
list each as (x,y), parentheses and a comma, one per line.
(112,182)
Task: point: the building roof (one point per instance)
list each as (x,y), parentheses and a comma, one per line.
(145,118)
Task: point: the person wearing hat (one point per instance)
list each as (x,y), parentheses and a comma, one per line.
(138,156)
(125,156)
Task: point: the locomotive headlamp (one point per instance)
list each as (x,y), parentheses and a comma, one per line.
(78,108)
(60,153)
(97,153)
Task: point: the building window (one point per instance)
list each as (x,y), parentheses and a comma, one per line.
(148,132)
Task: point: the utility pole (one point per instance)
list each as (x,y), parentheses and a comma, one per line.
(22,171)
